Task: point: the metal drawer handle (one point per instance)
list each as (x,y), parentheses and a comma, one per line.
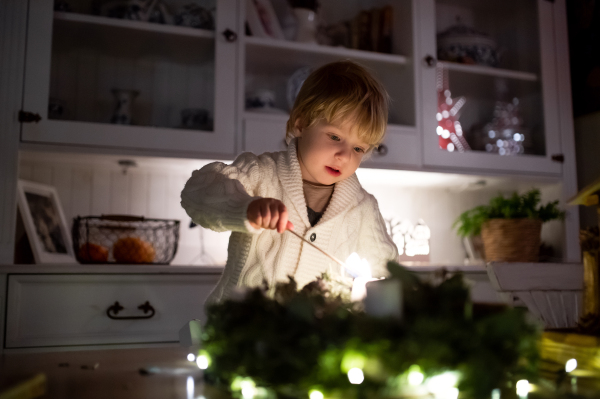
(116,308)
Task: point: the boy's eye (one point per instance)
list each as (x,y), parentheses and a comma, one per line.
(358,149)
(334,137)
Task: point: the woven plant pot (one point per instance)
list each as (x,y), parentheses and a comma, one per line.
(511,240)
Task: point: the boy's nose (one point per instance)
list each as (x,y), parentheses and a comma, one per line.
(343,152)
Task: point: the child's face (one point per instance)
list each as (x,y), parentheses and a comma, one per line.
(329,152)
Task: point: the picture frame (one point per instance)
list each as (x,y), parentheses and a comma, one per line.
(262,19)
(45,224)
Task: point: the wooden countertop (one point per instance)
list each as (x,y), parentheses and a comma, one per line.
(101,374)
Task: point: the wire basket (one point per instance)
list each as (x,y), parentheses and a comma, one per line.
(125,239)
(511,240)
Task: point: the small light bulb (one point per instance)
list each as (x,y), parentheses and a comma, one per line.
(570,365)
(522,388)
(191,357)
(315,394)
(415,378)
(202,362)
(356,376)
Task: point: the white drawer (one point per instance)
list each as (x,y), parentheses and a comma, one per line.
(59,310)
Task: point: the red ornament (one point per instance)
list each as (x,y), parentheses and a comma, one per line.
(449,130)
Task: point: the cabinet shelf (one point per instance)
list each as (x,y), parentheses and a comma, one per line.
(282,118)
(287,51)
(93,20)
(483,70)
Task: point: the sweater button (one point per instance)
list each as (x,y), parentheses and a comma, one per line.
(313,237)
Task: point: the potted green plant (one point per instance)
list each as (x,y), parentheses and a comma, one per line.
(510,227)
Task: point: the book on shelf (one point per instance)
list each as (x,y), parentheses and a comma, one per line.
(386,30)
(364,30)
(371,30)
(262,19)
(253,20)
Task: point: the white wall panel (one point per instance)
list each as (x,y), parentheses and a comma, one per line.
(101,191)
(138,193)
(81,194)
(119,198)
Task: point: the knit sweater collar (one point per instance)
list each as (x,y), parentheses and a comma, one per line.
(344,194)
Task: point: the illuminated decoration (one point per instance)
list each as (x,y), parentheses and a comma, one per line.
(415,376)
(443,386)
(449,129)
(316,394)
(203,360)
(496,393)
(191,357)
(352,348)
(246,386)
(412,240)
(571,365)
(356,376)
(505,134)
(523,388)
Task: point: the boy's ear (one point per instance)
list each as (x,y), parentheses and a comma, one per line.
(297,127)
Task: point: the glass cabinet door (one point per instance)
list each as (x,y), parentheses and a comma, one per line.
(117,74)
(489,85)
(282,45)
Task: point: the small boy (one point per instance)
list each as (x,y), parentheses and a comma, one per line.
(338,118)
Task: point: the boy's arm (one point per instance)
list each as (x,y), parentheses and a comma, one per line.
(375,244)
(217,196)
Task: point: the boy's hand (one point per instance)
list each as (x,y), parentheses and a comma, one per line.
(269,213)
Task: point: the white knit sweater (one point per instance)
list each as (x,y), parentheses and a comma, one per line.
(217,197)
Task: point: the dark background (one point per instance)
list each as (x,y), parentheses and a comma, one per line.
(583,17)
(584,43)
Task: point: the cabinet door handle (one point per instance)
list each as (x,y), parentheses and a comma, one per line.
(29,117)
(116,308)
(430,61)
(382,150)
(230,35)
(558,158)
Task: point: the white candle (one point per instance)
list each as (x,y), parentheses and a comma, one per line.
(383,298)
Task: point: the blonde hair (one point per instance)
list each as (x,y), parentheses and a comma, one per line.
(338,91)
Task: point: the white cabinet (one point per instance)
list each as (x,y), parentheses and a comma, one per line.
(511,107)
(507,99)
(175,82)
(61,310)
(76,59)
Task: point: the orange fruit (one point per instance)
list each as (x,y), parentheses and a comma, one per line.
(133,250)
(89,252)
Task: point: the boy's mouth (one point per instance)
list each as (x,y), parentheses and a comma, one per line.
(333,171)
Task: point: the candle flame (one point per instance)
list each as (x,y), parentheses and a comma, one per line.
(361,271)
(357,267)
